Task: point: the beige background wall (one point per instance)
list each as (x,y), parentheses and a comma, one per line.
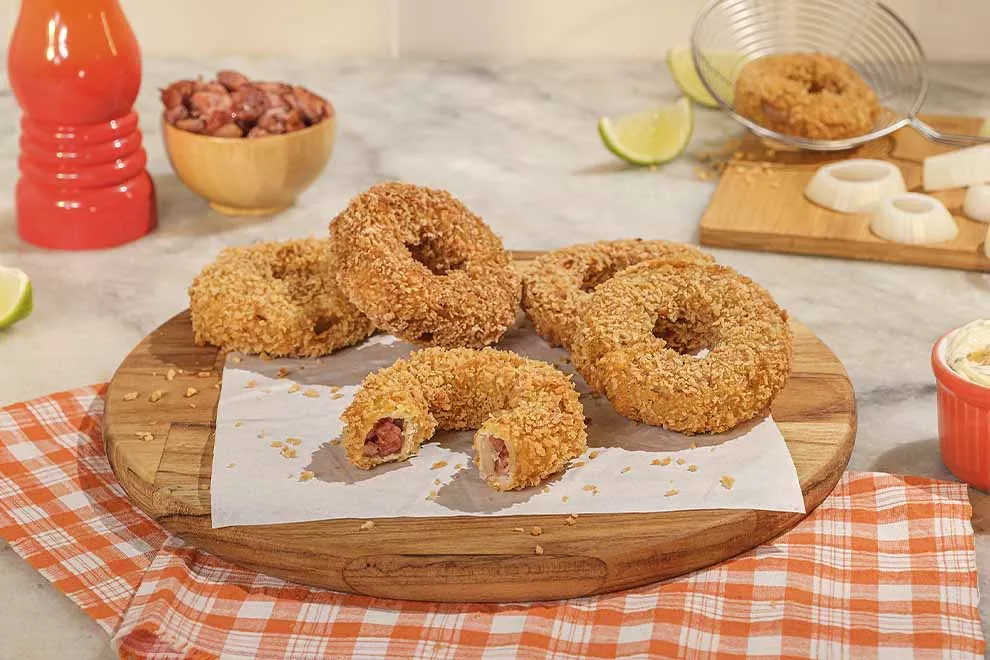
(949,29)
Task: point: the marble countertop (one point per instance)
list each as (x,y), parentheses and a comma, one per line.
(517,143)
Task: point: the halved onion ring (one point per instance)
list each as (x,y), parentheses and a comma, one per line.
(854,186)
(957,169)
(913,218)
(976,205)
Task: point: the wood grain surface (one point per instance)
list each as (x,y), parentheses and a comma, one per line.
(760,205)
(167,474)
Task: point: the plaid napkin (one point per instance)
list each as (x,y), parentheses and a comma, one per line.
(884,568)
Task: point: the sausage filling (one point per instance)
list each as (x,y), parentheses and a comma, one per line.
(384,438)
(502,455)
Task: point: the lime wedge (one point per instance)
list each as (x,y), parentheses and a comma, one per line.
(652,137)
(985,129)
(16,300)
(686,76)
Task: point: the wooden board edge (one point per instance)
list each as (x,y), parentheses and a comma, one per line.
(837,248)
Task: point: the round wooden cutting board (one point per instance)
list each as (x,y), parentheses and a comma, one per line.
(162,453)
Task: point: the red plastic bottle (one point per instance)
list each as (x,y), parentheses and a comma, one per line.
(75,69)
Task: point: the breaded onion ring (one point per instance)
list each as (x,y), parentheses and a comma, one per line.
(810,95)
(422,266)
(529,418)
(275,298)
(559,283)
(647,380)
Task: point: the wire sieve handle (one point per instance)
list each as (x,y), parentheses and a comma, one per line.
(952,139)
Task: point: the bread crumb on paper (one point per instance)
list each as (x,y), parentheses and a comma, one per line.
(438,465)
(593,455)
(535,530)
(570,520)
(538,549)
(306,475)
(130,396)
(366,525)
(625,469)
(170,374)
(671,492)
(191,392)
(295,387)
(235,359)
(564,498)
(156,396)
(518,529)
(276,444)
(545,489)
(437,482)
(578,464)
(145,436)
(251,383)
(282,373)
(692,468)
(312,394)
(337,395)
(335,442)
(681,461)
(727,481)
(231,465)
(288,452)
(238,425)
(204,374)
(655,461)
(192,405)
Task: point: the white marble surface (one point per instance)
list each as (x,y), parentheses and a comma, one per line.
(518,144)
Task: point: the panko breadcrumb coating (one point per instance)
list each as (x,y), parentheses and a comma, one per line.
(422,266)
(529,418)
(810,95)
(274,298)
(646,379)
(559,283)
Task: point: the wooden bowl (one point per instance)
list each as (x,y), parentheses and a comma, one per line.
(250,176)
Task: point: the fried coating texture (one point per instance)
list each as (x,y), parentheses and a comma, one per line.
(811,95)
(275,298)
(528,406)
(559,284)
(618,352)
(422,266)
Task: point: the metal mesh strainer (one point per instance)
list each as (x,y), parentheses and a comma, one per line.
(865,33)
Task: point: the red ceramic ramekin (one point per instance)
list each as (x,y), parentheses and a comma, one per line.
(963,421)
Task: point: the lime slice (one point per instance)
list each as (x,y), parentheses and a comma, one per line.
(652,137)
(16,301)
(985,129)
(686,75)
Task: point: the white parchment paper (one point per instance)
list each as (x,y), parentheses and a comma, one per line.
(277,456)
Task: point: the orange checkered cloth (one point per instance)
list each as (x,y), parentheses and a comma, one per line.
(885,567)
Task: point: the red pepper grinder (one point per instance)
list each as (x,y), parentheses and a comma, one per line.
(75,69)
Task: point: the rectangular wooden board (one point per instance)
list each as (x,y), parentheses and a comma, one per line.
(760,205)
